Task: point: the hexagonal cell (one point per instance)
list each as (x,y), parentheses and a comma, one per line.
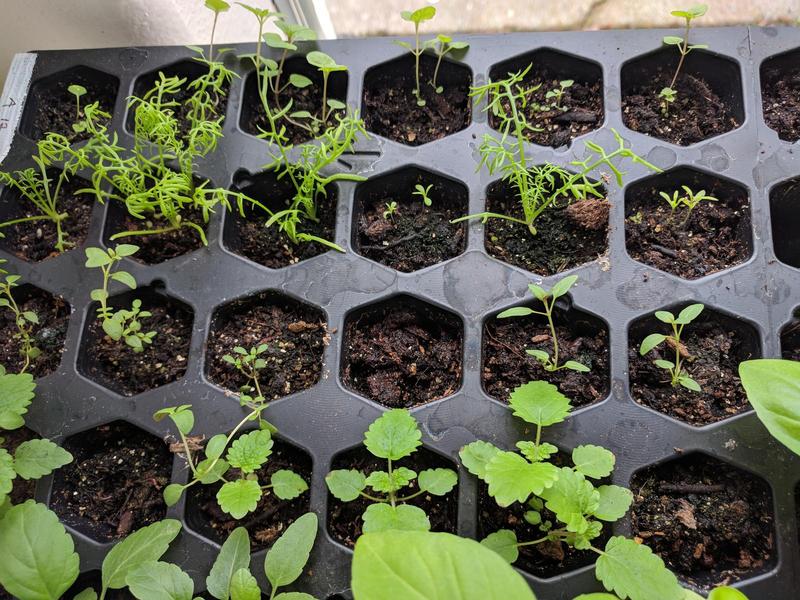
(114,485)
(414,236)
(579,110)
(402,352)
(344,518)
(116,366)
(784,203)
(780,94)
(295,333)
(390,107)
(568,234)
(269,246)
(714,236)
(711,522)
(252,118)
(712,346)
(51,108)
(581,337)
(188,69)
(48,335)
(709,95)
(272,515)
(36,240)
(790,338)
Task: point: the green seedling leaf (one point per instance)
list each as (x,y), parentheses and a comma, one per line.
(7,475)
(287,484)
(405,517)
(517,311)
(274,40)
(664,364)
(294,596)
(394,435)
(76,90)
(380,481)
(346,485)
(614,502)
(650,342)
(211,470)
(335,104)
(16,393)
(156,580)
(563,286)
(540,403)
(504,542)
(250,451)
(216,446)
(726,593)
(673,40)
(689,314)
(239,497)
(476,455)
(632,572)
(217,6)
(536,452)
(124,250)
(323,62)
(87,594)
(593,461)
(425,13)
(576,366)
(36,458)
(286,559)
(438,481)
(144,545)
(665,317)
(299,81)
(95,257)
(233,556)
(172,493)
(244,586)
(571,497)
(689,383)
(511,478)
(124,278)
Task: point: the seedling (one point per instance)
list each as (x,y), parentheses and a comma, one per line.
(548,300)
(78,91)
(558,93)
(250,364)
(326,66)
(417,17)
(689,199)
(678,375)
(422,192)
(215,6)
(563,503)
(121,324)
(391,210)
(445,44)
(669,93)
(393,436)
(24,319)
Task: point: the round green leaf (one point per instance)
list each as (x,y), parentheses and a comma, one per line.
(476,455)
(593,461)
(346,485)
(650,342)
(394,435)
(504,542)
(614,502)
(540,403)
(632,571)
(287,484)
(437,481)
(239,497)
(405,517)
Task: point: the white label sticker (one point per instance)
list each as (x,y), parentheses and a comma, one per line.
(13,99)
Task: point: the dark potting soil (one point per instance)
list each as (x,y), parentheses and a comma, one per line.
(114,486)
(116,366)
(48,335)
(402,356)
(580,109)
(780,95)
(790,341)
(715,236)
(57,107)
(344,518)
(36,240)
(94,580)
(272,515)
(391,109)
(295,335)
(711,356)
(567,235)
(415,236)
(698,112)
(23,489)
(507,366)
(710,522)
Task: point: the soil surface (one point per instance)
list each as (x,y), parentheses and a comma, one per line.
(715,236)
(114,486)
(272,515)
(790,341)
(507,366)
(580,109)
(780,95)
(698,113)
(415,236)
(48,335)
(710,522)
(57,107)
(344,518)
(36,240)
(567,235)
(295,335)
(116,366)
(391,109)
(402,355)
(712,354)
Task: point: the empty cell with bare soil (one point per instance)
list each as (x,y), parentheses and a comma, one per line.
(395,227)
(295,335)
(247,234)
(712,236)
(116,366)
(390,106)
(784,204)
(115,483)
(402,353)
(344,518)
(272,515)
(780,94)
(711,523)
(711,348)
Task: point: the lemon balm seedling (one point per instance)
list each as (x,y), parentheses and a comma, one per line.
(669,94)
(23,319)
(678,374)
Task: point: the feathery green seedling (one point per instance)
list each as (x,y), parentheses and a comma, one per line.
(678,375)
(391,210)
(558,93)
(444,45)
(24,319)
(417,17)
(548,300)
(669,94)
(422,192)
(393,436)
(690,199)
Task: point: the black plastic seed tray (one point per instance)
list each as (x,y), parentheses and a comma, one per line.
(759,294)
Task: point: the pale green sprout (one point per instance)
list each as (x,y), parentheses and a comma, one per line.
(558,93)
(444,45)
(417,17)
(423,193)
(669,93)
(690,199)
(391,210)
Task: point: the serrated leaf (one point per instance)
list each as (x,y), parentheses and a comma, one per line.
(536,453)
(124,278)
(239,497)
(516,311)
(288,556)
(156,580)
(563,286)
(385,517)
(346,485)
(504,542)
(437,481)
(593,461)
(632,571)
(381,482)
(234,555)
(650,342)
(571,498)
(250,451)
(244,586)
(7,474)
(614,502)
(689,314)
(36,458)
(511,478)
(287,484)
(476,455)
(16,393)
(146,544)
(394,435)
(39,559)
(540,403)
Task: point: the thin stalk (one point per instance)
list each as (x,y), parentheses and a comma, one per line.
(684,51)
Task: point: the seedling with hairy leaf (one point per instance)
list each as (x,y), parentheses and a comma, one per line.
(558,93)
(444,45)
(426,13)
(250,364)
(391,210)
(548,300)
(678,374)
(244,455)
(393,436)
(563,503)
(120,324)
(422,192)
(669,94)
(689,199)
(24,319)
